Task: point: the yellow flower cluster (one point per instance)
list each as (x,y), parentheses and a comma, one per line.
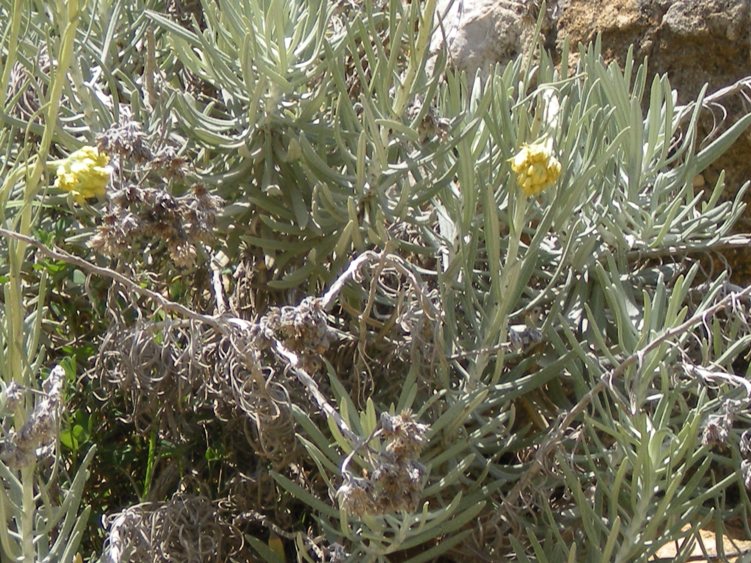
(85,174)
(536,168)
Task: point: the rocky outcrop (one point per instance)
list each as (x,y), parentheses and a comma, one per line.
(481,33)
(694,41)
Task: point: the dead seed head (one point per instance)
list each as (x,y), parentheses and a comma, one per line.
(127,141)
(152,217)
(716,432)
(21,448)
(405,436)
(355,496)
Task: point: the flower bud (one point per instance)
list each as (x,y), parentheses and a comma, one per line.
(84,174)
(536,168)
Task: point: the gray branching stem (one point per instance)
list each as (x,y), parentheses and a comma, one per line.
(161,301)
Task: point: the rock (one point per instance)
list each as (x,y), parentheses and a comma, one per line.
(694,41)
(482,33)
(716,18)
(621,23)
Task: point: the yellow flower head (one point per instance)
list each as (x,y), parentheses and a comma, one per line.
(536,168)
(85,174)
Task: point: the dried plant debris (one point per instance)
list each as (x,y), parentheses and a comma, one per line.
(396,326)
(189,529)
(37,436)
(141,217)
(127,141)
(28,89)
(745,449)
(154,217)
(185,12)
(397,477)
(405,437)
(153,368)
(717,431)
(523,337)
(428,123)
(167,370)
(303,329)
(169,164)
(11,398)
(241,387)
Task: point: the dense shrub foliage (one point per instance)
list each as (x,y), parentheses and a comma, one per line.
(280,283)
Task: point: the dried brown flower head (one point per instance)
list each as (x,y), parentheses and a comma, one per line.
(405,436)
(127,141)
(144,216)
(21,448)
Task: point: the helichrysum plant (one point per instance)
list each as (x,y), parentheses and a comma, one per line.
(346,302)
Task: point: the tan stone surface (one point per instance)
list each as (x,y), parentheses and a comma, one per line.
(734,547)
